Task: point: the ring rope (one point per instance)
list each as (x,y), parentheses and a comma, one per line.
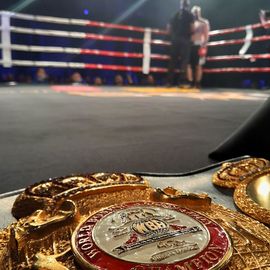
(82,35)
(239,57)
(237,41)
(237,70)
(82,66)
(79,22)
(54,49)
(129,68)
(235,29)
(60,20)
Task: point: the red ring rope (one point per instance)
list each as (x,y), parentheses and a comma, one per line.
(239,57)
(237,41)
(124,27)
(234,29)
(237,70)
(58,20)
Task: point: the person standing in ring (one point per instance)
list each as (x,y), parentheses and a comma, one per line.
(200,38)
(180,28)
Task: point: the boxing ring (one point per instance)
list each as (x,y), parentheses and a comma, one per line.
(149,43)
(47,126)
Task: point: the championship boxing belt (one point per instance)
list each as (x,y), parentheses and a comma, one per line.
(119,222)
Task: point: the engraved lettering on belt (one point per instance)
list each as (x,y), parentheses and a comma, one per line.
(127,247)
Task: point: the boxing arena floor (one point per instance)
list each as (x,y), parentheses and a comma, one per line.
(49,131)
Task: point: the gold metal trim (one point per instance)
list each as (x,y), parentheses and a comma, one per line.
(45,236)
(247,204)
(225,261)
(232,174)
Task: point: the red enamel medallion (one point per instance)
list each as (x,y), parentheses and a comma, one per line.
(150,236)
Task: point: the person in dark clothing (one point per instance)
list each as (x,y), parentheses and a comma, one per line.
(181,27)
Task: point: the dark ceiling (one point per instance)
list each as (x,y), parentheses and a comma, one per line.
(153,13)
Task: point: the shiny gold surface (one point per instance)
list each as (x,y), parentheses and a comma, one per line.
(185,199)
(41,240)
(232,174)
(47,194)
(251,239)
(251,244)
(50,211)
(252,196)
(259,191)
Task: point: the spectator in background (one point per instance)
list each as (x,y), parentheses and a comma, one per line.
(87,79)
(130,80)
(21,78)
(41,76)
(150,80)
(98,81)
(200,38)
(9,79)
(76,79)
(118,80)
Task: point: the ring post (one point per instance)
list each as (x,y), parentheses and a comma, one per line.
(146,51)
(6,39)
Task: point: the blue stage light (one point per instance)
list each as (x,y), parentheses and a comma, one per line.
(86,11)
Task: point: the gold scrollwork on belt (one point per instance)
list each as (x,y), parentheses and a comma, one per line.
(232,174)
(49,212)
(251,180)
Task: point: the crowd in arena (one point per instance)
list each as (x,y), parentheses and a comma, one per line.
(41,76)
